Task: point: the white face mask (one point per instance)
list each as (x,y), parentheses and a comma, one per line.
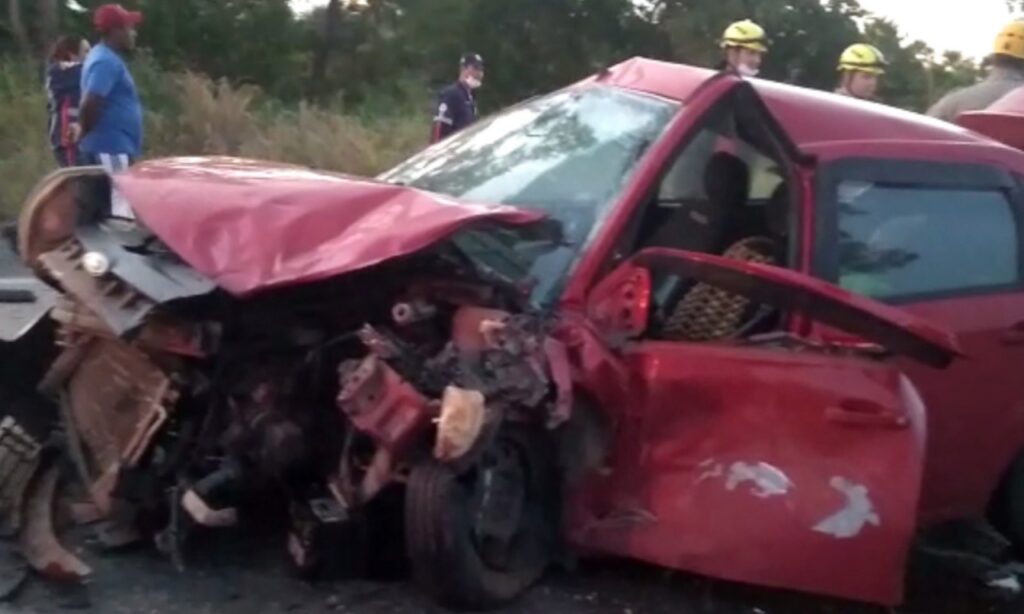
(747,71)
(473,82)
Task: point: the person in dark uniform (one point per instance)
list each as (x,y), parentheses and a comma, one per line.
(456,107)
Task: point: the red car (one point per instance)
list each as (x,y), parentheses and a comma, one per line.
(731,327)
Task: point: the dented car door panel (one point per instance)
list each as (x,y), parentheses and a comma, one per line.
(770,444)
(738,450)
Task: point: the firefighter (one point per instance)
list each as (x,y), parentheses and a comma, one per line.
(1006,73)
(745,45)
(860,69)
(456,105)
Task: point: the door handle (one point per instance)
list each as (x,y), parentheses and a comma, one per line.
(1013,335)
(874,418)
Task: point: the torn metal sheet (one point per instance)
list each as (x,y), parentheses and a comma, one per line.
(163,334)
(38,542)
(117,400)
(121,306)
(155,273)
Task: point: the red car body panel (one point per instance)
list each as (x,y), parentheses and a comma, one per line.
(771,466)
(723,450)
(733,462)
(1001,120)
(252,226)
(967,455)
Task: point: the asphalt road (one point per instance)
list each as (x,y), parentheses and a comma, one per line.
(239,575)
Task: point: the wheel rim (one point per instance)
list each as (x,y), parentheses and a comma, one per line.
(503,509)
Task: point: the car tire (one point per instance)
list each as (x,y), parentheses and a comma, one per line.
(446,551)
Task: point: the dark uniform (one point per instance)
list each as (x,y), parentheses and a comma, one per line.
(456,109)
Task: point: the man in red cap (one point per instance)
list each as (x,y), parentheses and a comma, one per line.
(110,116)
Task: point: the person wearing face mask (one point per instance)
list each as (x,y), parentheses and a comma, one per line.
(745,45)
(860,68)
(456,105)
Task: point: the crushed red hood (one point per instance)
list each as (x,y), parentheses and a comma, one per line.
(250,226)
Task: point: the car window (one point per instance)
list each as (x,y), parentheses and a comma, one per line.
(901,241)
(685,178)
(765,176)
(568,154)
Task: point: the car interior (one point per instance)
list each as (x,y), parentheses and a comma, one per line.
(727,192)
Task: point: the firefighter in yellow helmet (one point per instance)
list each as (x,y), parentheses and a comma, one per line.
(860,68)
(1006,73)
(745,44)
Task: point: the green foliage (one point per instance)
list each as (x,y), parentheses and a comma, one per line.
(192,115)
(374,85)
(383,50)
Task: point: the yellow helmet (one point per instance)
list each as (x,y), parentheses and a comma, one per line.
(746,34)
(863,58)
(1010,40)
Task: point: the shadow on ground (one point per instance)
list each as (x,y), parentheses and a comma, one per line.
(230,575)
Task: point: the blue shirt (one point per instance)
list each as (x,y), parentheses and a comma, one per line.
(119,128)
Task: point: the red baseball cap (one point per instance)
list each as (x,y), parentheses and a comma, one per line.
(111,16)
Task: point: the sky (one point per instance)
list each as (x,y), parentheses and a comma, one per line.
(968,26)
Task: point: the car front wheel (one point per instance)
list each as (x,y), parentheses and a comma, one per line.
(480,537)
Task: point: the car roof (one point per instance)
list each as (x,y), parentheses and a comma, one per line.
(822,121)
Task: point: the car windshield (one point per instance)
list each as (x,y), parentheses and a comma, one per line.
(568,154)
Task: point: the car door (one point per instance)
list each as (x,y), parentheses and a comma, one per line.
(941,240)
(773,462)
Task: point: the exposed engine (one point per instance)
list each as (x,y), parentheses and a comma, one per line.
(319,396)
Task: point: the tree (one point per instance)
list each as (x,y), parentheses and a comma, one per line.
(318,75)
(806,36)
(907,83)
(17,26)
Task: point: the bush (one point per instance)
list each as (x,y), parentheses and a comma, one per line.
(189,114)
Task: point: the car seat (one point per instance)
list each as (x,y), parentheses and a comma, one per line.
(702,224)
(706,312)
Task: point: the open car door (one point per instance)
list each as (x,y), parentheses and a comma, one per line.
(773,462)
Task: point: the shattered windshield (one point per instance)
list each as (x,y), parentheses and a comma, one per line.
(568,154)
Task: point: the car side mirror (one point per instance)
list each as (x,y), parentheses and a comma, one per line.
(619,304)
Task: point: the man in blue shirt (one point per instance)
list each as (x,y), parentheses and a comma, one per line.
(110,116)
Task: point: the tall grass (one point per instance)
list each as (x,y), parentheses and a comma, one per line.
(188,114)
